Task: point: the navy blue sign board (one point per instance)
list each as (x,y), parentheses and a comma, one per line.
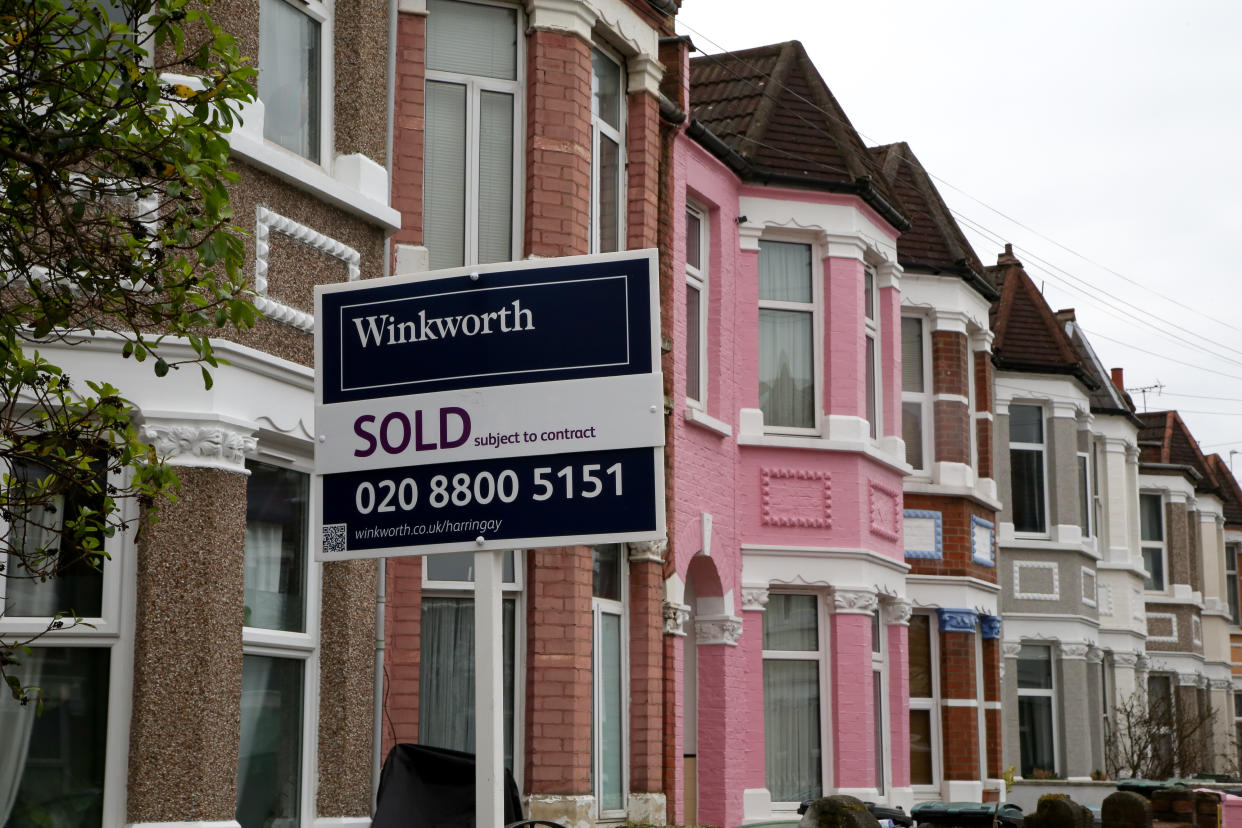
(492,407)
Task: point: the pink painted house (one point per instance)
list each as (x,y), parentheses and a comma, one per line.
(786,667)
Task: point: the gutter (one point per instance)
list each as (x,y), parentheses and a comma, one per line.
(861,186)
(670,111)
(1189,471)
(668,8)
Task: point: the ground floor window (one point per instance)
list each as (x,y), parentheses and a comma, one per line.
(610,703)
(924,702)
(52,765)
(1036,711)
(792,715)
(269,778)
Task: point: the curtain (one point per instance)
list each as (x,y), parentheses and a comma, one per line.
(16,724)
(270,754)
(786,368)
(785,272)
(289,77)
(791,730)
(264,602)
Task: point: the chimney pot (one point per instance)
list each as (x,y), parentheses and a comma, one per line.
(1118,379)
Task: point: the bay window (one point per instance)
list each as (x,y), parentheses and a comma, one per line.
(294,39)
(915,385)
(278,643)
(1086,511)
(1231,581)
(1026,469)
(1036,710)
(1151,534)
(610,698)
(792,718)
(471,136)
(446,666)
(871,365)
(696,306)
(924,702)
(879,693)
(607,153)
(787,323)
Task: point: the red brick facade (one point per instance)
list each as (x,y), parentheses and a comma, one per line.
(408,122)
(961,724)
(955,513)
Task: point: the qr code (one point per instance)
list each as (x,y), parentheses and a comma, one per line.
(334,537)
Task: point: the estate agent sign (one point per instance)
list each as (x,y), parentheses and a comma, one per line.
(494,407)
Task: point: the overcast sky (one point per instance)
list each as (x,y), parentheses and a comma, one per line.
(1101,138)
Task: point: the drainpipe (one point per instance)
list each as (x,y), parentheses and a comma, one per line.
(377,736)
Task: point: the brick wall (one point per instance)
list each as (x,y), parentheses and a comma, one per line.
(956,536)
(403,614)
(952,418)
(558,134)
(957,681)
(853,743)
(984,402)
(558,675)
(992,693)
(409,105)
(642,138)
(646,671)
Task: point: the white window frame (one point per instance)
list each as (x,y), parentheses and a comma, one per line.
(1042,448)
(1084,482)
(698,278)
(932,705)
(972,424)
(871,335)
(323,12)
(881,721)
(112,630)
(475,86)
(924,398)
(815,307)
(515,589)
(1049,693)
(620,609)
(1161,545)
(600,127)
(823,657)
(299,646)
(1234,549)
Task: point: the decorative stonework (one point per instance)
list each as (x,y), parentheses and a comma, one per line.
(1095,655)
(754,598)
(1089,586)
(724,629)
(796,497)
(1196,631)
(1188,679)
(1036,581)
(990,626)
(1126,660)
(267,222)
(896,612)
(652,551)
(1162,627)
(885,507)
(1138,611)
(1104,596)
(854,600)
(1074,651)
(924,534)
(1220,684)
(982,541)
(1010,649)
(675,617)
(957,620)
(211,446)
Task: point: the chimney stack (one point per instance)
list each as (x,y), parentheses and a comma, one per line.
(1118,380)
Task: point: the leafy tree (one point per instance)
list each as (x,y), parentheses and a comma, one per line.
(114,221)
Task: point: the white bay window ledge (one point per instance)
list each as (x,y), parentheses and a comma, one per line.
(699,417)
(360,186)
(843,433)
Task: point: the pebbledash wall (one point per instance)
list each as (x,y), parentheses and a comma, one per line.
(531,129)
(226,678)
(785,596)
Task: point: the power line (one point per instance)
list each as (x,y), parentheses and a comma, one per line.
(1161,356)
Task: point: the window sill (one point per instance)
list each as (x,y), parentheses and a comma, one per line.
(698,417)
(844,434)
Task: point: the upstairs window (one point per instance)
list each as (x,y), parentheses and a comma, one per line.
(293,38)
(472,92)
(607,153)
(1151,526)
(871,365)
(696,306)
(1231,581)
(915,384)
(787,313)
(1026,468)
(1086,514)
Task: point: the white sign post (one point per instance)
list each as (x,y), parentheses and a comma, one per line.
(484,409)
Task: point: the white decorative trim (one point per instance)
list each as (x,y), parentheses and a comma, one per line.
(342,822)
(267,221)
(1196,630)
(1018,592)
(896,612)
(1010,649)
(1095,655)
(1163,639)
(1220,684)
(207,445)
(960,702)
(1127,661)
(1188,679)
(720,629)
(1074,651)
(857,600)
(697,417)
(1104,598)
(675,617)
(1090,596)
(648,551)
(755,598)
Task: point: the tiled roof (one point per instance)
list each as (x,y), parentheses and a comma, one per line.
(1106,398)
(1228,489)
(1165,439)
(776,122)
(1027,334)
(934,241)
